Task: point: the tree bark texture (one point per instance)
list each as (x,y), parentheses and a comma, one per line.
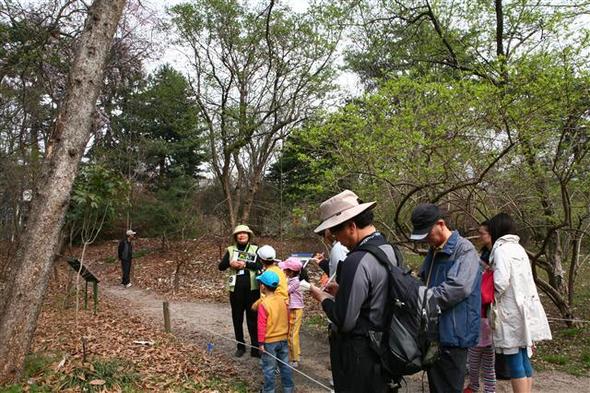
(26,284)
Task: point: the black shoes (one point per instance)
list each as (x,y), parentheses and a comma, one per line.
(255,353)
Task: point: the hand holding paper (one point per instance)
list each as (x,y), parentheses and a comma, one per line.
(304,285)
(318,294)
(331,288)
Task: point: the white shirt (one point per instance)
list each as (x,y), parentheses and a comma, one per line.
(338,253)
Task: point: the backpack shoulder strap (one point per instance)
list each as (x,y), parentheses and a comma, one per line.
(378,253)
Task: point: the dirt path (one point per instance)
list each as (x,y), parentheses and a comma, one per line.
(205,322)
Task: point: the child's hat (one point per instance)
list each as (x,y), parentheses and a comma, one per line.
(291,263)
(267,253)
(269,278)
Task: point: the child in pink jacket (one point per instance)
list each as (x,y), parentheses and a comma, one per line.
(292,267)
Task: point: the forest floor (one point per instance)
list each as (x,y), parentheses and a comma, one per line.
(207,322)
(125,348)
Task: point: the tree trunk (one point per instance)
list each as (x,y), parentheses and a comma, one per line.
(21,304)
(574,265)
(553,255)
(255,184)
(226,186)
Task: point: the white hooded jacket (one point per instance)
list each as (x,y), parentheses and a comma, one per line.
(521,319)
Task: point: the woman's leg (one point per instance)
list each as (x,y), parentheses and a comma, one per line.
(528,369)
(530,383)
(488,368)
(237,314)
(251,321)
(520,385)
(474,356)
(518,378)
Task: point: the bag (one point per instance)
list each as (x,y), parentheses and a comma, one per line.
(409,343)
(487,288)
(502,370)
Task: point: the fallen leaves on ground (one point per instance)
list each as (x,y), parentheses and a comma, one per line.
(112,335)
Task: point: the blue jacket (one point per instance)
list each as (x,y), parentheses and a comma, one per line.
(455,280)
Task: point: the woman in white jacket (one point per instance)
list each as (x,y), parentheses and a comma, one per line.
(520,318)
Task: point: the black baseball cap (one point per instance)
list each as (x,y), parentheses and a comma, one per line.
(424,216)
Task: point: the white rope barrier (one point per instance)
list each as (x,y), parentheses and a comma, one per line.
(568,320)
(327,388)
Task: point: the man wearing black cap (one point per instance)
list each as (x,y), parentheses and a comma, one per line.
(451,269)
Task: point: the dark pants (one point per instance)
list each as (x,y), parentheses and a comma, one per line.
(126,268)
(241,300)
(448,373)
(356,368)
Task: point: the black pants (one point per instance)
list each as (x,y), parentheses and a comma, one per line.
(355,366)
(241,300)
(126,268)
(448,373)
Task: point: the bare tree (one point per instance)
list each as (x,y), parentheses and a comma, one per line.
(22,298)
(256,75)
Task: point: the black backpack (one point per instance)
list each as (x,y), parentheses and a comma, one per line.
(409,342)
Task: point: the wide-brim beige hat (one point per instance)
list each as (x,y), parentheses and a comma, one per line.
(341,208)
(243,228)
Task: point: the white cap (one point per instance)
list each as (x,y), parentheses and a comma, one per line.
(267,253)
(130,232)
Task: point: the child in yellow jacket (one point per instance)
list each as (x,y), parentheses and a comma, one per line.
(273,331)
(267,256)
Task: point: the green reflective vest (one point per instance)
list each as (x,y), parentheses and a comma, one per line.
(232,274)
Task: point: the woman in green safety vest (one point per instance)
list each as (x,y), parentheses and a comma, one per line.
(240,262)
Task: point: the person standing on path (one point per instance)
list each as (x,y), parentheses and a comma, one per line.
(268,260)
(482,356)
(451,269)
(292,267)
(242,266)
(273,330)
(520,319)
(337,254)
(360,295)
(125,253)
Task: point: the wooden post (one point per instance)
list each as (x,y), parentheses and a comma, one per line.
(86,295)
(166,317)
(95,285)
(84,343)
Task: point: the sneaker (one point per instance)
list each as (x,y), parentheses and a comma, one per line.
(239,352)
(128,285)
(294,364)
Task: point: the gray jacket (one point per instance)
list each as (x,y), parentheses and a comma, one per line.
(360,302)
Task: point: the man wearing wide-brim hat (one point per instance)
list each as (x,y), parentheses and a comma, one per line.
(357,299)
